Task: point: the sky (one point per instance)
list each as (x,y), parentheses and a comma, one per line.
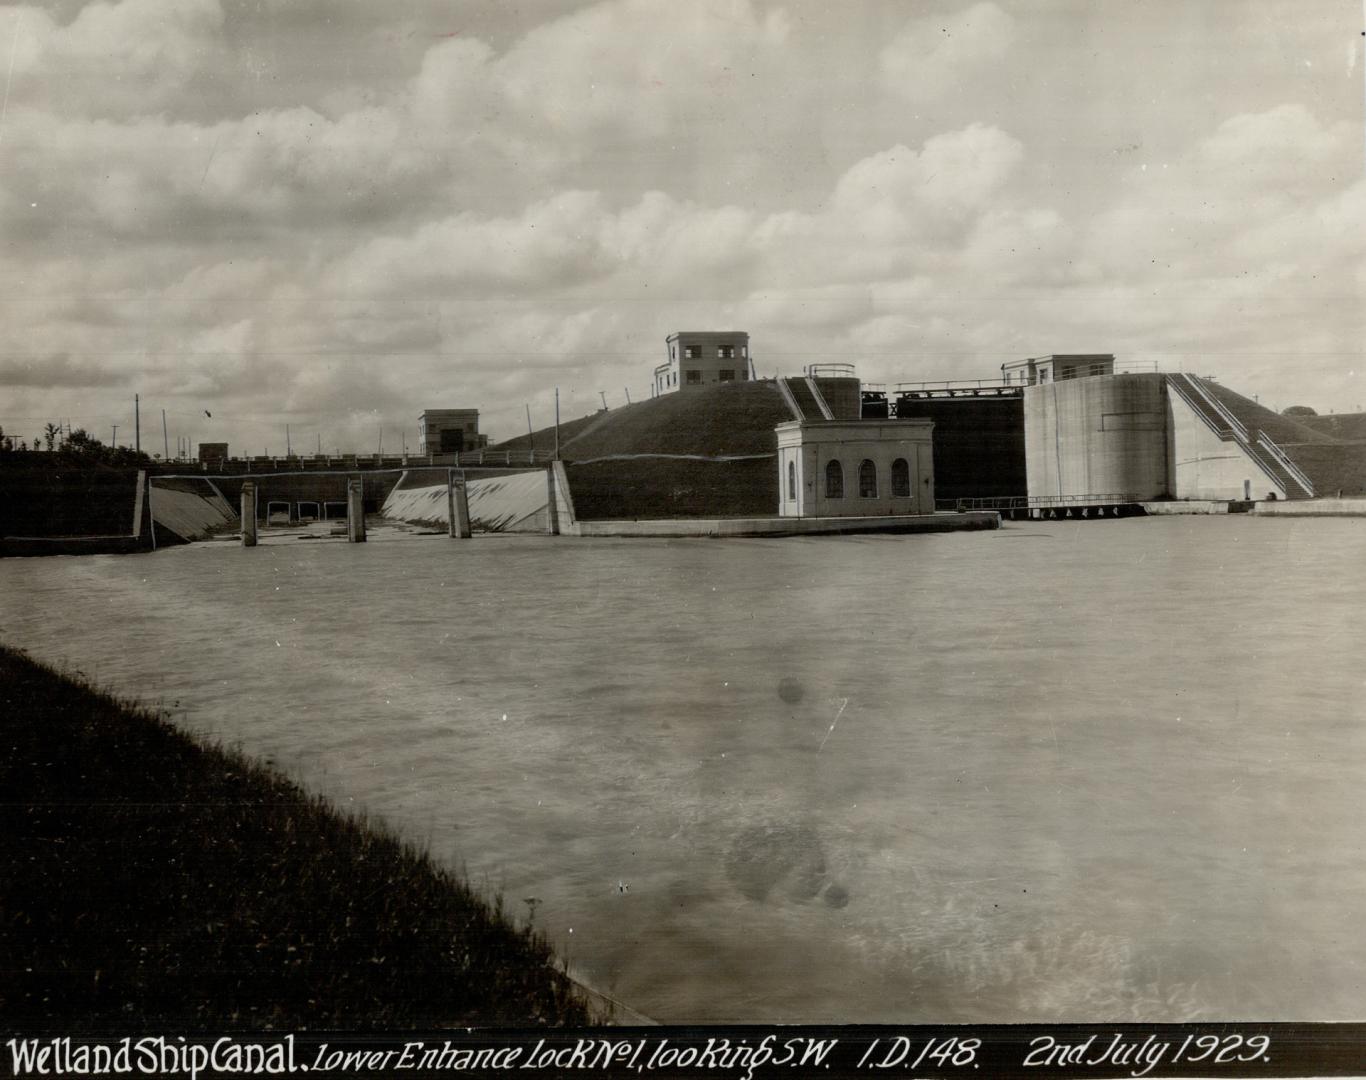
(333,215)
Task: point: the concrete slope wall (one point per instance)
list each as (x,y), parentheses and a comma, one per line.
(1207,467)
(1105,435)
(512,503)
(191,509)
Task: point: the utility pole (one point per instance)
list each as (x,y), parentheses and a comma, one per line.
(137,427)
(604,400)
(165,439)
(531,438)
(286,440)
(557,423)
(114,438)
(320,444)
(628,395)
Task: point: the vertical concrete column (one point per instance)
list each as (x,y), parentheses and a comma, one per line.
(355,511)
(552,508)
(248,514)
(458,506)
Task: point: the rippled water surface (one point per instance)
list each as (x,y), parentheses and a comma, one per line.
(1089,771)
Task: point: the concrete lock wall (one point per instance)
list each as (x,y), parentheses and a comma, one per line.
(805,449)
(1207,467)
(1105,435)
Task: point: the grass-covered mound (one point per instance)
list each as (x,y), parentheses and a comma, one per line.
(54,495)
(725,419)
(153,882)
(648,488)
(706,452)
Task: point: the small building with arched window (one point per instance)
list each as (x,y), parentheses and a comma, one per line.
(855,468)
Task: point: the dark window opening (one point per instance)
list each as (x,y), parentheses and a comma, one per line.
(834,480)
(792,481)
(901,479)
(452,441)
(867,480)
(726,376)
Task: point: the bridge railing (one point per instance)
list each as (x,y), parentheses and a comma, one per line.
(1032,502)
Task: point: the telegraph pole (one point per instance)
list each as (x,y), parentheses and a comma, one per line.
(137,427)
(557,423)
(628,395)
(114,438)
(286,440)
(602,395)
(165,439)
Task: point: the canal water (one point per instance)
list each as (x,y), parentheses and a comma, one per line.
(1064,771)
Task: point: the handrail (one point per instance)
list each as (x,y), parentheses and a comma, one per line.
(790,400)
(956,384)
(1218,407)
(1022,502)
(820,398)
(830,371)
(1187,395)
(1296,473)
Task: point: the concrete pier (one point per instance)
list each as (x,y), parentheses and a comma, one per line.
(248,514)
(355,511)
(552,511)
(458,507)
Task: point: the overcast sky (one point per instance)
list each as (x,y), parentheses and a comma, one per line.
(337,214)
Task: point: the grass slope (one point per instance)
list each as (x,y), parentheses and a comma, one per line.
(154,882)
(720,420)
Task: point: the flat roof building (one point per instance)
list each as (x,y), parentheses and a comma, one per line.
(448,431)
(1057,367)
(699,357)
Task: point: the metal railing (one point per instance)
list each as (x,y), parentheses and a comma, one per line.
(830,371)
(1197,401)
(819,398)
(1267,443)
(1031,502)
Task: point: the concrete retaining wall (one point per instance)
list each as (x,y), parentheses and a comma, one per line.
(1312,508)
(1187,506)
(512,503)
(792,526)
(1205,466)
(1102,435)
(191,509)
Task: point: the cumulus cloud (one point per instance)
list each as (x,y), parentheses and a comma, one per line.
(540,208)
(935,55)
(130,57)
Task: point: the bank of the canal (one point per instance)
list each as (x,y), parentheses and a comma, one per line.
(158,882)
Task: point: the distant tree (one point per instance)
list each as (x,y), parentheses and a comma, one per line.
(82,446)
(50,433)
(1298,410)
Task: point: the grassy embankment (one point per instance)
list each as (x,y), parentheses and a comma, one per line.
(156,882)
(675,456)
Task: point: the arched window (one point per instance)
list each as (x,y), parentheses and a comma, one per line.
(901,479)
(834,480)
(867,480)
(792,481)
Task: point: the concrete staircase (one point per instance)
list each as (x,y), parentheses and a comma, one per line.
(1257,445)
(804,399)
